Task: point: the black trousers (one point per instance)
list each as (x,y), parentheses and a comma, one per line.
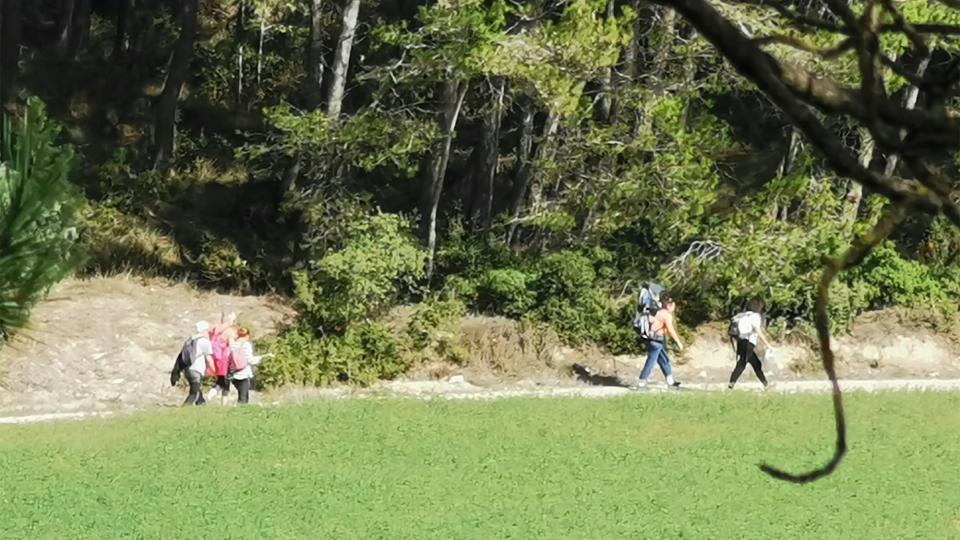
(195,397)
(747,354)
(243,390)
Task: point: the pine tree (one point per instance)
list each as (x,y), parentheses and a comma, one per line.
(39,213)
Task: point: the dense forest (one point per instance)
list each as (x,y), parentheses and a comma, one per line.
(532,159)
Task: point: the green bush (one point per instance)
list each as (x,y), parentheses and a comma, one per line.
(894,280)
(363,279)
(506,291)
(220,263)
(364,354)
(435,328)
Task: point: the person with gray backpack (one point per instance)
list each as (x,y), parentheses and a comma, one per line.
(647,307)
(746,328)
(655,330)
(196,356)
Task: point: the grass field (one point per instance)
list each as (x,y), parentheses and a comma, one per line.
(679,466)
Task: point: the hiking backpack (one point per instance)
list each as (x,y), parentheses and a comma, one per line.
(734,330)
(647,307)
(184,360)
(238,358)
(187,353)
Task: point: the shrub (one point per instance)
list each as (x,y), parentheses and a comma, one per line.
(506,291)
(894,280)
(362,280)
(364,354)
(434,328)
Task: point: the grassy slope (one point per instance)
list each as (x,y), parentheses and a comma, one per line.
(673,467)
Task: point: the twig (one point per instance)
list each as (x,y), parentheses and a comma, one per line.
(827,53)
(857,252)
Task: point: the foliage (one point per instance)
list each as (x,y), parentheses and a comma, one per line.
(406,468)
(608,142)
(363,279)
(895,281)
(507,291)
(39,208)
(365,353)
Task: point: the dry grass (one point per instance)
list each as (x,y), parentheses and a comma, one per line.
(121,243)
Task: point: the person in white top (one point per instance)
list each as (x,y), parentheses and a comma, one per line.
(750,330)
(201,359)
(242,361)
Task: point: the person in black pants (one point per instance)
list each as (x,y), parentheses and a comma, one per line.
(750,330)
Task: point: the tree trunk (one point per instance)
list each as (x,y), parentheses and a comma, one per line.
(80,29)
(606,78)
(524,170)
(314,68)
(910,103)
(526,182)
(122,41)
(453,95)
(482,199)
(855,194)
(165,111)
(793,146)
(65,25)
(629,63)
(238,37)
(341,59)
(263,34)
(10,27)
(667,33)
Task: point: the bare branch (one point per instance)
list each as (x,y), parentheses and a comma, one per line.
(898,68)
(827,53)
(699,251)
(781,84)
(857,252)
(799,20)
(921,28)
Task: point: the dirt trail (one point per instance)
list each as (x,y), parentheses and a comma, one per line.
(461,390)
(109,343)
(105,346)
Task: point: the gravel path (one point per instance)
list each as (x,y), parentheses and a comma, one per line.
(459,390)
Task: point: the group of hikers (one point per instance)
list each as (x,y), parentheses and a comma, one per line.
(223,352)
(654,322)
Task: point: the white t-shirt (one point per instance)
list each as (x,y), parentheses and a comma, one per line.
(201,349)
(749,325)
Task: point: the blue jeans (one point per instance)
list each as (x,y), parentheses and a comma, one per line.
(658,355)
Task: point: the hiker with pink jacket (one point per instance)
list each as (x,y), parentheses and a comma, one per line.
(222,336)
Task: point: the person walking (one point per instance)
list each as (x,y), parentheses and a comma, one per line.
(242,361)
(662,325)
(749,330)
(200,354)
(221,337)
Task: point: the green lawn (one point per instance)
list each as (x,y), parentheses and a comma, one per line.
(678,466)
